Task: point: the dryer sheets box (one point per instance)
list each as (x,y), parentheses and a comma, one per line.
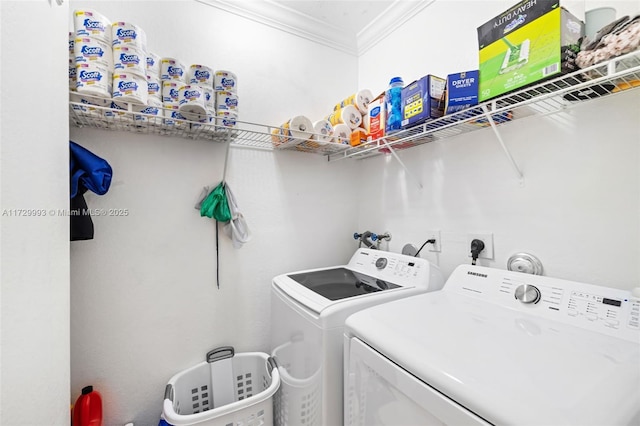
(531,41)
(462,91)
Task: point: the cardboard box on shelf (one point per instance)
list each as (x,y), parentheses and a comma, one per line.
(531,41)
(423,100)
(376,118)
(461,91)
(358,136)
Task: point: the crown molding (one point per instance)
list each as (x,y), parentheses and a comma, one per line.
(291,21)
(399,12)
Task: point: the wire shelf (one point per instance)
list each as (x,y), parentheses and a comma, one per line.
(604,79)
(85,111)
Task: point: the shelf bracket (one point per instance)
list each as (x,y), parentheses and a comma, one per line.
(393,152)
(516,169)
(226,156)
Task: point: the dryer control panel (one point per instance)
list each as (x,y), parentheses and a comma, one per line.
(608,310)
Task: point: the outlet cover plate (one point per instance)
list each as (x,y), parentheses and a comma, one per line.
(487,239)
(435,235)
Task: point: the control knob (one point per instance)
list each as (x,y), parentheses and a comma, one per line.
(381,263)
(526,293)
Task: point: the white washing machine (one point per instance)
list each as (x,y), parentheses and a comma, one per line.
(308,310)
(496,347)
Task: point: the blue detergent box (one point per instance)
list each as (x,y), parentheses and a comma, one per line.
(462,91)
(423,100)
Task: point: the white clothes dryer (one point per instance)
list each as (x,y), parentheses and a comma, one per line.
(496,347)
(308,311)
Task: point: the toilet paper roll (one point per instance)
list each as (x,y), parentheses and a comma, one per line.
(226,119)
(154,89)
(94,79)
(297,128)
(128,34)
(170,90)
(129,87)
(226,101)
(349,115)
(172,116)
(200,74)
(72,52)
(148,114)
(89,100)
(191,99)
(225,81)
(209,99)
(153,64)
(129,59)
(204,125)
(88,50)
(86,105)
(118,114)
(342,134)
(323,131)
(172,69)
(89,23)
(73,73)
(360,100)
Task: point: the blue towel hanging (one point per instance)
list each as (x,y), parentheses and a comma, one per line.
(87,172)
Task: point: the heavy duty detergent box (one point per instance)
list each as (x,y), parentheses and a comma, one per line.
(462,91)
(422,100)
(533,40)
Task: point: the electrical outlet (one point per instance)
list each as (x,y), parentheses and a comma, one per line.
(487,239)
(435,235)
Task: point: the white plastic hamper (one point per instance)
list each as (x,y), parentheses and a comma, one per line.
(227,389)
(297,401)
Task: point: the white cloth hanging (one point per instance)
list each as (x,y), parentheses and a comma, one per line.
(237,228)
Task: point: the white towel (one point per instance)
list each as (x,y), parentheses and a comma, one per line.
(237,228)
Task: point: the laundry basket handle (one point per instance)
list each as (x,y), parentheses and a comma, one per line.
(168,392)
(220,353)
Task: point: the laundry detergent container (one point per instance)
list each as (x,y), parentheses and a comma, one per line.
(226,389)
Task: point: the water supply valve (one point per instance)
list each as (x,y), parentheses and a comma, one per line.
(370,239)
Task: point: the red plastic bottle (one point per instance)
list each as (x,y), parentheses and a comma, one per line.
(88,408)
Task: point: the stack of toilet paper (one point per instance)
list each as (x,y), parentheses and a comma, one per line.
(90,63)
(92,56)
(347,118)
(109,63)
(225,85)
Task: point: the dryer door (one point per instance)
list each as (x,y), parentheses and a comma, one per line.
(378,392)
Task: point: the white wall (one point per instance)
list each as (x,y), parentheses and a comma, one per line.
(578,208)
(144,299)
(34,176)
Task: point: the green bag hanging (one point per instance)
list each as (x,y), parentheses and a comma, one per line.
(215,205)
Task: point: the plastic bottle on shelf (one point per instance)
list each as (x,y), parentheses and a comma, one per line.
(394,105)
(87,410)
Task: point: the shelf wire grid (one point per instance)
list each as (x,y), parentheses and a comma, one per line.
(605,79)
(86,110)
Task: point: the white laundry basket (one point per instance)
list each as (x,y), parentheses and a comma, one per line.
(297,401)
(227,389)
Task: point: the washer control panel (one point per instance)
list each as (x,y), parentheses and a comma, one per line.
(608,310)
(397,268)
